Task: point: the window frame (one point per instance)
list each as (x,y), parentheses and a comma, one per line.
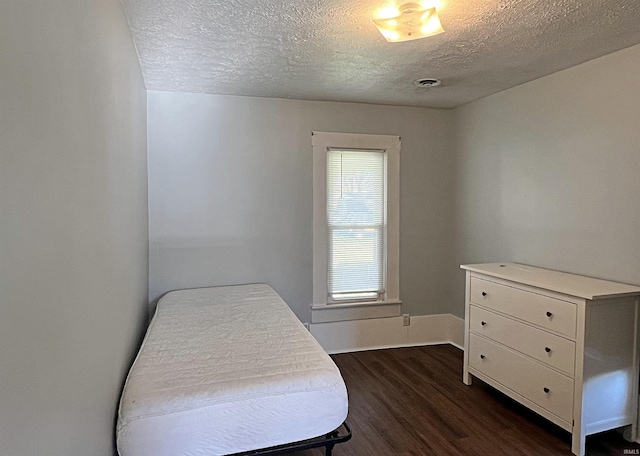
(321,143)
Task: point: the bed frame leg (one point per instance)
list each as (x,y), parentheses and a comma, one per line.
(328,442)
(329,448)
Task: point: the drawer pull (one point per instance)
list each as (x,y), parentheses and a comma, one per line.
(549,314)
(546,390)
(547,349)
(484,293)
(483,323)
(481,356)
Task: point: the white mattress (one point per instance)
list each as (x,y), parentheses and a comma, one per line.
(224,370)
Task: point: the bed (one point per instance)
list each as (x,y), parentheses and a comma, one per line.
(228,370)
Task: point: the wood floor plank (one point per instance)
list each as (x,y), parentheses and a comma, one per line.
(412,402)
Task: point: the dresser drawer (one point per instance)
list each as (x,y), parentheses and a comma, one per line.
(539,384)
(548,348)
(544,311)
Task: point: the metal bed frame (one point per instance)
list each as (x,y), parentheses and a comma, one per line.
(328,441)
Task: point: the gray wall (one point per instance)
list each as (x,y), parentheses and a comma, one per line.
(230,193)
(548,173)
(73,223)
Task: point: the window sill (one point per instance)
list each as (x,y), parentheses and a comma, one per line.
(355,311)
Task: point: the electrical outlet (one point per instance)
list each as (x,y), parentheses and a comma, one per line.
(406,320)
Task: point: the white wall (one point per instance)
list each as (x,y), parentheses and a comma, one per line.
(73,223)
(548,173)
(230,193)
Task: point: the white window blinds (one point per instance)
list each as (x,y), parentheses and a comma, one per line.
(356,224)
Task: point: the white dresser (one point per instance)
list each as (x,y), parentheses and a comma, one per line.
(563,345)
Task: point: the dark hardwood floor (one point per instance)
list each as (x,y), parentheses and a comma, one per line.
(411,401)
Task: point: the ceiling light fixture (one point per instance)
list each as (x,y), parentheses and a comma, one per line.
(414,22)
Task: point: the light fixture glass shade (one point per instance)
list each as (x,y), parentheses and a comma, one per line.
(414,22)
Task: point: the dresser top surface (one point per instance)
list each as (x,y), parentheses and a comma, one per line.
(560,282)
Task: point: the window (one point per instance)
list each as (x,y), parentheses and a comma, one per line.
(355,220)
(356,224)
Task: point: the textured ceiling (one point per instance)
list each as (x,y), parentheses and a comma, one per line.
(330,49)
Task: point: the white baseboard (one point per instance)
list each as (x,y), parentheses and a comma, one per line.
(377,333)
(456,331)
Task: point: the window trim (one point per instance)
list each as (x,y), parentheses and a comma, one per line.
(321,142)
